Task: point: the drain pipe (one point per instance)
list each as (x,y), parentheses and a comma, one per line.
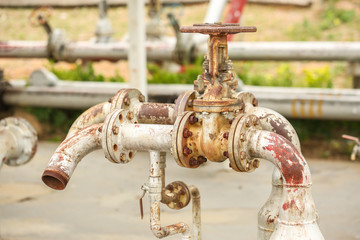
(155,190)
(18,141)
(297,214)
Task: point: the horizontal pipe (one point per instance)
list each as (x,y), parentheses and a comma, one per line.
(294,51)
(145,137)
(305,103)
(163,51)
(70,152)
(113,51)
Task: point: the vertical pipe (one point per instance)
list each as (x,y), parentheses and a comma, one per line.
(196,213)
(137,51)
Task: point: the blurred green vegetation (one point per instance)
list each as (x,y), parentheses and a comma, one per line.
(284,76)
(84,72)
(331,19)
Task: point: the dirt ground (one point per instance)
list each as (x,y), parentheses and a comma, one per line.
(101,200)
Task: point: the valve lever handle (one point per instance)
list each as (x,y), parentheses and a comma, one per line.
(141,202)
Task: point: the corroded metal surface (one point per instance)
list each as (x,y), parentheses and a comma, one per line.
(93,115)
(297,216)
(70,152)
(156,113)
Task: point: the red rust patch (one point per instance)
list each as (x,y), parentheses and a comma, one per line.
(289,158)
(288,205)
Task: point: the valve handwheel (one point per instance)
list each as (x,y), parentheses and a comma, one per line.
(217,28)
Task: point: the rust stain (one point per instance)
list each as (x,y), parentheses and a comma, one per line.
(311,109)
(279,127)
(302,108)
(288,205)
(288,157)
(320,103)
(156,113)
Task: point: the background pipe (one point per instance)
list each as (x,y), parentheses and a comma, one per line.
(297,216)
(70,152)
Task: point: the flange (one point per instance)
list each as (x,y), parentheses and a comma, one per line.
(184,148)
(25,136)
(126,98)
(184,102)
(182,193)
(239,157)
(111,137)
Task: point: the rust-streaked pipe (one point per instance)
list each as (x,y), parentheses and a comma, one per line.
(93,115)
(297,216)
(196,213)
(273,122)
(149,113)
(155,113)
(70,152)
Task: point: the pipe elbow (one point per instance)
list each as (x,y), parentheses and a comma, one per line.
(70,152)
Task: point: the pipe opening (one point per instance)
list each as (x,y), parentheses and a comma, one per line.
(54,180)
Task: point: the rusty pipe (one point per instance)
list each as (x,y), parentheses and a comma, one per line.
(150,113)
(155,190)
(297,215)
(196,213)
(70,152)
(273,122)
(93,115)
